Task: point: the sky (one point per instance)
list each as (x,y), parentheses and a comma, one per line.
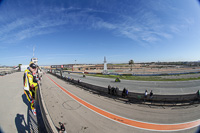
(84,31)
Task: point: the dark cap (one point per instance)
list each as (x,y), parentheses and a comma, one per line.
(32,65)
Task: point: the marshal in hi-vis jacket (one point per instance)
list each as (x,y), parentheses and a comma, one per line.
(29,80)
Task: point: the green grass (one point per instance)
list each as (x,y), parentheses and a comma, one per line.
(182,74)
(142,78)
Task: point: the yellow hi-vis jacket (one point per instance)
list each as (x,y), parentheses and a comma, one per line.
(28,80)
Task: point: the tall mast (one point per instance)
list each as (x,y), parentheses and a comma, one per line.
(105,66)
(33,50)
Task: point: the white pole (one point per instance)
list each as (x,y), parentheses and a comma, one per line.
(33,50)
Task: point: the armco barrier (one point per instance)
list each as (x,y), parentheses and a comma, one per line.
(2,73)
(139,97)
(50,127)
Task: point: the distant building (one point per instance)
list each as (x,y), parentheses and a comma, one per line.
(34,60)
(23,67)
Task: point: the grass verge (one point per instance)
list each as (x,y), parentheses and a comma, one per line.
(142,78)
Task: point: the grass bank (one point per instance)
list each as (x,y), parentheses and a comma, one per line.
(142,78)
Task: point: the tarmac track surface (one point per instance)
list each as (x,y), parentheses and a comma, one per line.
(61,100)
(158,87)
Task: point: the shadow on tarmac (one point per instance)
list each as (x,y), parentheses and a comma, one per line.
(198,130)
(31,124)
(1,130)
(20,123)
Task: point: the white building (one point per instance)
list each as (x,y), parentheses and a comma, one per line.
(23,67)
(105,71)
(34,60)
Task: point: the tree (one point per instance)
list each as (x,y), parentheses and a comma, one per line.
(19,66)
(131,62)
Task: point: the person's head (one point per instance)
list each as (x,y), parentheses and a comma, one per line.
(33,67)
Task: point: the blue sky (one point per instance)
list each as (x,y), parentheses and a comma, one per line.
(88,30)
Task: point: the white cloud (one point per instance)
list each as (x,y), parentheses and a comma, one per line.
(129,34)
(119,55)
(64,54)
(102,24)
(144,26)
(190,21)
(26,26)
(174,29)
(16,57)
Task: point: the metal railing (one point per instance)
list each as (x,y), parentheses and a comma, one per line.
(5,72)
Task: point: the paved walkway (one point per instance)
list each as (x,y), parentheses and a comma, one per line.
(15,114)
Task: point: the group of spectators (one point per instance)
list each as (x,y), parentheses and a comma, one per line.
(146,94)
(150,94)
(115,91)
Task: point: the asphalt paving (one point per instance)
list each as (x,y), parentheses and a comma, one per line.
(78,118)
(15,114)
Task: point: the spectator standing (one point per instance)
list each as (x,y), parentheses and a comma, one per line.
(109,89)
(145,95)
(151,94)
(79,80)
(124,93)
(112,90)
(116,91)
(198,94)
(31,83)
